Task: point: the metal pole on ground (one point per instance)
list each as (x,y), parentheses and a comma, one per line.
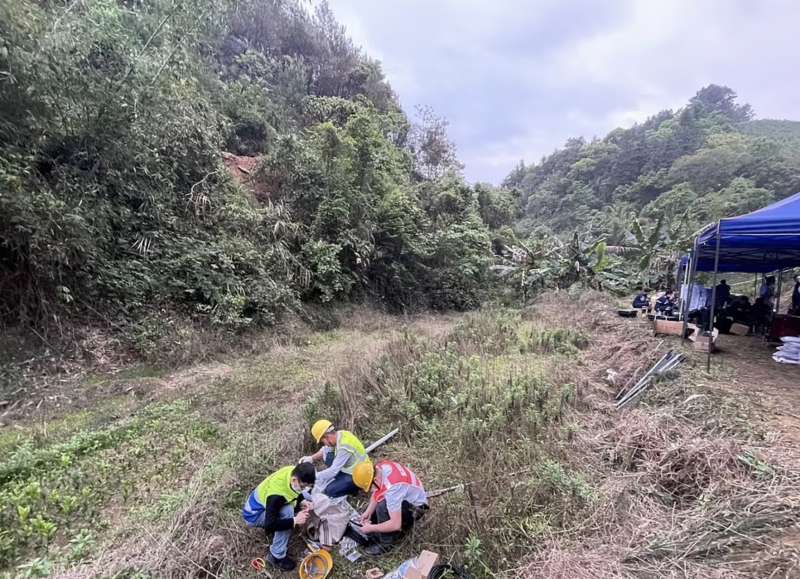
(713,299)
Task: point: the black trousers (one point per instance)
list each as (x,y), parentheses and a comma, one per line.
(409,514)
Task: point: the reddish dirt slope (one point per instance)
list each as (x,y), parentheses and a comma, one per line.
(243,169)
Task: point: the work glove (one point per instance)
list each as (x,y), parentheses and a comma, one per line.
(306,459)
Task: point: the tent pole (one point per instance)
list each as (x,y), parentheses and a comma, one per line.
(778,297)
(685,296)
(755,287)
(712,313)
(689,285)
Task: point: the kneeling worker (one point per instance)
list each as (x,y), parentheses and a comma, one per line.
(275,505)
(341,451)
(399,499)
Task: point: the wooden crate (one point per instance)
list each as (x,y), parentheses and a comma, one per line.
(740,329)
(668,327)
(706,343)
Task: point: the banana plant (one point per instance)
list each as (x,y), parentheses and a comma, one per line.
(657,248)
(547,261)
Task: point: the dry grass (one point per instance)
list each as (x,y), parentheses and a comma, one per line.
(194,527)
(685,484)
(686,490)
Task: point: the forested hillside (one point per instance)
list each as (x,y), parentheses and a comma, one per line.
(114,201)
(686,168)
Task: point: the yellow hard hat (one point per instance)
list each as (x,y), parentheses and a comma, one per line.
(363,473)
(316,565)
(320,428)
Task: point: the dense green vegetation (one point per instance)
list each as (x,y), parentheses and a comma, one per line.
(619,211)
(684,168)
(114,202)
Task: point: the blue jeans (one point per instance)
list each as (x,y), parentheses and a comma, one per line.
(341,485)
(280,539)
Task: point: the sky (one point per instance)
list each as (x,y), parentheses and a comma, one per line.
(517,78)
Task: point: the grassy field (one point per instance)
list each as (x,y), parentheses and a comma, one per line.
(144,475)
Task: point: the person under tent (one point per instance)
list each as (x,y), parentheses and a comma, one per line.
(665,305)
(795,311)
(762,316)
(767,291)
(723,294)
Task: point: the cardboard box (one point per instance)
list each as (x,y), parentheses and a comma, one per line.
(740,329)
(706,343)
(426,561)
(668,327)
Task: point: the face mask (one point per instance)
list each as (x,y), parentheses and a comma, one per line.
(297,487)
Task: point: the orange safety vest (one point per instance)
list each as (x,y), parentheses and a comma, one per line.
(398,475)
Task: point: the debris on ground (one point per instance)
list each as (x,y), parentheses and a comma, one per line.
(420,567)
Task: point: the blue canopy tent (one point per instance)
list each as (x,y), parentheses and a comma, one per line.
(759,242)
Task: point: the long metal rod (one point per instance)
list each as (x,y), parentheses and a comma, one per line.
(713,299)
(667,367)
(657,370)
(650,382)
(780,288)
(381,440)
(647,375)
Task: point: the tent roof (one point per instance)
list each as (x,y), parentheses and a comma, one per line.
(762,241)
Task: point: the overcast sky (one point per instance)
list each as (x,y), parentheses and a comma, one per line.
(516,78)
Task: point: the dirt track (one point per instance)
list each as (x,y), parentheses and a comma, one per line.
(747,368)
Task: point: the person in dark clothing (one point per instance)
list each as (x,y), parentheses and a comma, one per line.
(642,300)
(665,305)
(723,294)
(276,505)
(761,315)
(740,310)
(796,297)
(768,291)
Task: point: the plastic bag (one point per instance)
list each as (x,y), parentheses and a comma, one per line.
(401,571)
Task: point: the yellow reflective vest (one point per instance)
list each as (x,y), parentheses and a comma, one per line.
(346,440)
(278,483)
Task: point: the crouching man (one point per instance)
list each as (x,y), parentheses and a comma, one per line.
(397,502)
(277,506)
(341,451)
